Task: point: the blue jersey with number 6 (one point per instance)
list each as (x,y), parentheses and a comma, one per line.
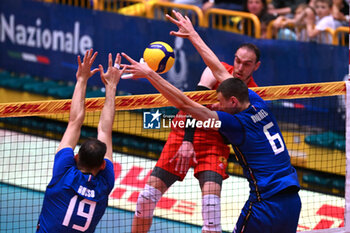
(260,149)
(74,202)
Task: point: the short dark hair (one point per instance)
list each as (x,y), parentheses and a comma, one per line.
(253,48)
(234,87)
(264,10)
(92,153)
(328,2)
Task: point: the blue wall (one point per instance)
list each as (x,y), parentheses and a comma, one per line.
(28,27)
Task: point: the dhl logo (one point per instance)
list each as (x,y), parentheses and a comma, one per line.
(301,91)
(157,100)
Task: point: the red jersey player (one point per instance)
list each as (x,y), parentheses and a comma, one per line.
(203,149)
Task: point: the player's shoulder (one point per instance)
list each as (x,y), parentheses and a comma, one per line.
(108,171)
(256,100)
(64,154)
(65,150)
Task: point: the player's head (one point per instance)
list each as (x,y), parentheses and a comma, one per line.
(91,154)
(323,8)
(247,60)
(256,7)
(232,95)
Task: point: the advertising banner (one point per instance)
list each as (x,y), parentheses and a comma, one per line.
(43,39)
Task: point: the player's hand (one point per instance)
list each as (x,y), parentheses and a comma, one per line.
(84,68)
(113,74)
(185,157)
(184,24)
(136,69)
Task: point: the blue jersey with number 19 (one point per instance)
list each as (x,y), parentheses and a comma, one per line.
(74,201)
(259,148)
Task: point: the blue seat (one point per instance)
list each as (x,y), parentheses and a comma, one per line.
(61,92)
(38,87)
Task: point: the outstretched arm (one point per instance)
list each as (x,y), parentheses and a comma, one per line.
(186,30)
(171,93)
(77,110)
(110,79)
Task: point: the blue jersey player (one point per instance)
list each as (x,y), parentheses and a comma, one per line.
(77,195)
(274,204)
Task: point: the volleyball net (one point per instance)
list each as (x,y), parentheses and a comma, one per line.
(313,119)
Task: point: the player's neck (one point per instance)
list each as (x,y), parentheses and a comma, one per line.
(87,171)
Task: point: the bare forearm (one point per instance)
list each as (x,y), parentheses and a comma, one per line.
(108,111)
(77,110)
(105,126)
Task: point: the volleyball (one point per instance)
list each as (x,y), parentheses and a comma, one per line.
(159,56)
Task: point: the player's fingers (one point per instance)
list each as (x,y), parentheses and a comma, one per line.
(79,60)
(94,71)
(129,69)
(171,19)
(128,58)
(122,71)
(174,157)
(89,55)
(194,158)
(102,75)
(178,34)
(85,56)
(181,167)
(180,16)
(93,58)
(184,166)
(110,60)
(100,67)
(177,14)
(117,59)
(178,164)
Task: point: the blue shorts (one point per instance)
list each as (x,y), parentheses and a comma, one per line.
(279,213)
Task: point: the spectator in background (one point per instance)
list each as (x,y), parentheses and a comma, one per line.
(297,23)
(284,7)
(323,20)
(340,11)
(258,8)
(235,5)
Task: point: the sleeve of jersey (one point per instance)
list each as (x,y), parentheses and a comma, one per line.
(64,159)
(108,173)
(231,128)
(228,67)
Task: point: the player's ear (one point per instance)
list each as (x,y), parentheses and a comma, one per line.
(76,158)
(257,65)
(233,100)
(103,165)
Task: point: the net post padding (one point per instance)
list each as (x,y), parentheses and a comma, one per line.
(50,107)
(347,149)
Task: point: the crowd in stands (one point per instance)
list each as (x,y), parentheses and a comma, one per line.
(312,17)
(302,20)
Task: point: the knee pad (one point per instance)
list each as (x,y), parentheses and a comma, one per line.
(211,213)
(147,201)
